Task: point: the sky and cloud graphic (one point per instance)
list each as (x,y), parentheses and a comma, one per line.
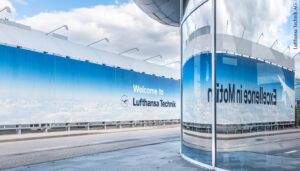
(40,88)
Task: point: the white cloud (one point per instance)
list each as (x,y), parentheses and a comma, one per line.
(125,25)
(257,16)
(7,3)
(269,17)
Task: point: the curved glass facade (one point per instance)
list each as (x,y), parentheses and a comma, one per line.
(255,125)
(196,77)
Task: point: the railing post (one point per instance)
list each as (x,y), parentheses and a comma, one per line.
(46,129)
(19,130)
(88,126)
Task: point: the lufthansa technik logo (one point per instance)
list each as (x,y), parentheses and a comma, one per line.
(124,101)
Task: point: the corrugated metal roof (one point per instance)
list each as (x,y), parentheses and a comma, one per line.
(15,34)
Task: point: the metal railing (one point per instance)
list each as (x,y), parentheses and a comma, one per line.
(52,127)
(239,128)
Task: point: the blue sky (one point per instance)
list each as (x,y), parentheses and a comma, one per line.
(31,7)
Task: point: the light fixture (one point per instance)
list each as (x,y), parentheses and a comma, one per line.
(7,9)
(128,50)
(243,32)
(261,35)
(153,57)
(276,41)
(106,39)
(64,26)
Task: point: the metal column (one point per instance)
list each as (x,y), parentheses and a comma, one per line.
(213,82)
(181,75)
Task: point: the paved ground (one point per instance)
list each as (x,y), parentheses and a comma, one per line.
(162,156)
(22,153)
(279,151)
(142,149)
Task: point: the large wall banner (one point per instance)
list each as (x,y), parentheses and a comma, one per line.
(43,88)
(248,90)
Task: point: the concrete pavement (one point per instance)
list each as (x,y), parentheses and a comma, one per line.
(162,156)
(143,149)
(34,151)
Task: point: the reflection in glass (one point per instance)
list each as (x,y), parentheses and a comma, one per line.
(256,128)
(255,85)
(196,138)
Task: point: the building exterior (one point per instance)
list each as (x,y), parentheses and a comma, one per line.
(255,93)
(48,79)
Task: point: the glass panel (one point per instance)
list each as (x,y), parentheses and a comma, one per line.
(196,142)
(297,96)
(255,86)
